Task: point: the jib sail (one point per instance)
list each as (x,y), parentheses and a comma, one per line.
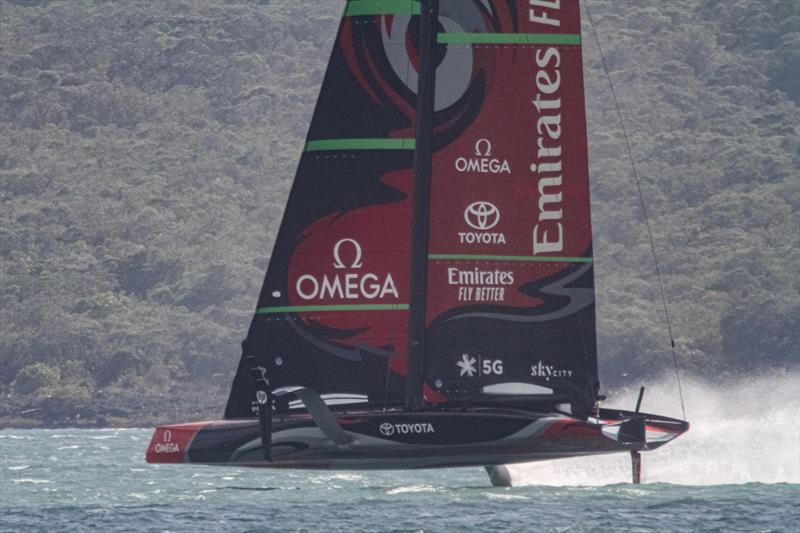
(510,303)
(332,313)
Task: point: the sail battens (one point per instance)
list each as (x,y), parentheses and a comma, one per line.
(357,8)
(359,144)
(330,308)
(527,258)
(509,38)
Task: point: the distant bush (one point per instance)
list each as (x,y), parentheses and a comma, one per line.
(34,377)
(67,405)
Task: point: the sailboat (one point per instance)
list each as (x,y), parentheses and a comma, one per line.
(429,301)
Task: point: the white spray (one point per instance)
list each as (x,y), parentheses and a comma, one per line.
(742,430)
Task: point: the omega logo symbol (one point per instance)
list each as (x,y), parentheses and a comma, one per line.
(167,436)
(482,215)
(387,429)
(487,144)
(337,257)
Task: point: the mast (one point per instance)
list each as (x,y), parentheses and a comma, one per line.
(423,156)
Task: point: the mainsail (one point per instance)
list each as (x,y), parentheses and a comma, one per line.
(508,300)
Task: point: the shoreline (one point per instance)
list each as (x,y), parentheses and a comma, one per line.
(9,423)
(117,409)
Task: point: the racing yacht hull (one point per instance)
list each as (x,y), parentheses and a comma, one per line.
(409,440)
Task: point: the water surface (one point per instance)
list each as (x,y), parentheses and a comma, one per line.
(90,480)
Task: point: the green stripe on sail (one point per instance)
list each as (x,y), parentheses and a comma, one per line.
(329,308)
(360,144)
(357,8)
(509,38)
(526,258)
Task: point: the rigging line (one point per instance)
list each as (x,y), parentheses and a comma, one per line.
(643,205)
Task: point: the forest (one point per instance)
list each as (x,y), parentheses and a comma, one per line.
(147,150)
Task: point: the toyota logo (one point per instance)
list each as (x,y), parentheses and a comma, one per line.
(482,215)
(387,429)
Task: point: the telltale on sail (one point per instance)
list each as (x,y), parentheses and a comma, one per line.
(429,301)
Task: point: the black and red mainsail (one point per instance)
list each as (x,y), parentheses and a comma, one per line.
(439,220)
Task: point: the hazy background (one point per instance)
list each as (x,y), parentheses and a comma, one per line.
(147,149)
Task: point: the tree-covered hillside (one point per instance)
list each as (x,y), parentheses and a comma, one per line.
(709,91)
(147,150)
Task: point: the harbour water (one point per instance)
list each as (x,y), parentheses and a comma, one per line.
(734,473)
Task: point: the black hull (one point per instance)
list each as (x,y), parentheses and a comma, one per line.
(409,440)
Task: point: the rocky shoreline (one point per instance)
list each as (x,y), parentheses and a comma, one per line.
(126,409)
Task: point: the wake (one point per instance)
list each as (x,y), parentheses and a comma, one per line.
(743,430)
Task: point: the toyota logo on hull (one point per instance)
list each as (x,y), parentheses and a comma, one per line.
(482,215)
(387,429)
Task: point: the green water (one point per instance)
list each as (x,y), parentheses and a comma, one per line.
(97,480)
